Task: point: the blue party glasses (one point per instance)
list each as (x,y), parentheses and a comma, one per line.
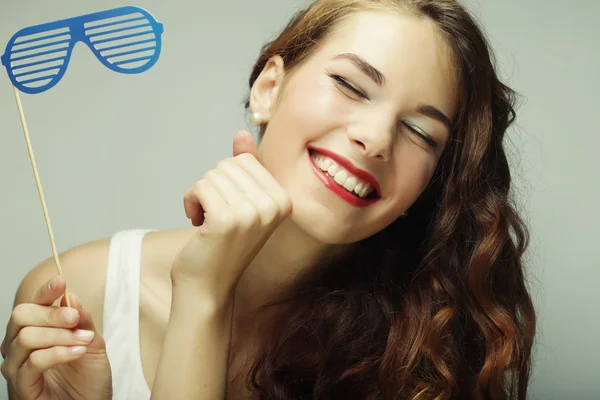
(125,39)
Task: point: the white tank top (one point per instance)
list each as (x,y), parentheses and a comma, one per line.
(121,321)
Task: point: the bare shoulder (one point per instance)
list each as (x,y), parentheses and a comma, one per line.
(84,269)
(160,248)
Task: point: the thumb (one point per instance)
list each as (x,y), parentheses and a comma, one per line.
(243,142)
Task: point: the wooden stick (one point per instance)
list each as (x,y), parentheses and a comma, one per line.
(39,188)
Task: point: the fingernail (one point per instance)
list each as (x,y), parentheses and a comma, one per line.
(83,335)
(52,284)
(69,316)
(75,303)
(78,350)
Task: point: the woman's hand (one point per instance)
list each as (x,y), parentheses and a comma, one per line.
(237,206)
(54,352)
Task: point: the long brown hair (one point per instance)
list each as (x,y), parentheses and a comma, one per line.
(435,306)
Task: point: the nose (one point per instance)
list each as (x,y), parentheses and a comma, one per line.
(374,140)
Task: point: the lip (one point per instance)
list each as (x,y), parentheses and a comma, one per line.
(344,162)
(337,189)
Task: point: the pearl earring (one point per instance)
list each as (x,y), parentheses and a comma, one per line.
(256,118)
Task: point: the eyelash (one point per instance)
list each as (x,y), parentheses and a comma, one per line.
(344,83)
(347,85)
(427,139)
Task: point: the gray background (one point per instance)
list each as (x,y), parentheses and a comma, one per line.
(117,152)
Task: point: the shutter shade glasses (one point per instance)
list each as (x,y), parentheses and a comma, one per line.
(125,39)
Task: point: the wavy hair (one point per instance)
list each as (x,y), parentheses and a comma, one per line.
(436,305)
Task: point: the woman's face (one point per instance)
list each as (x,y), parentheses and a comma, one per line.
(380,93)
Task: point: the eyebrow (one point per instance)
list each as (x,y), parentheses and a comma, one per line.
(377,77)
(364,66)
(434,113)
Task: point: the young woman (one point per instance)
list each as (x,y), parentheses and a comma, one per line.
(368,248)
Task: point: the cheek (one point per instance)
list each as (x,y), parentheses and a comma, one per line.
(312,107)
(415,169)
(308,110)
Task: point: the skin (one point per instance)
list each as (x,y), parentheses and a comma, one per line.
(313,109)
(368,132)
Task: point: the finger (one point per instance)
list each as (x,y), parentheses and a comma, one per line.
(266,181)
(204,195)
(193,209)
(252,192)
(243,142)
(42,360)
(28,314)
(225,187)
(32,338)
(48,293)
(86,323)
(259,174)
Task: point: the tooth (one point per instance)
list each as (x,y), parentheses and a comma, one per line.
(350,183)
(358,189)
(341,177)
(333,170)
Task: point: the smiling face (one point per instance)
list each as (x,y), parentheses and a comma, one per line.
(379,92)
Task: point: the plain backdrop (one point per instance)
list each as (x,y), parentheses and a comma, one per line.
(117,152)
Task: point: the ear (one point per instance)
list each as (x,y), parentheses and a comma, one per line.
(264,92)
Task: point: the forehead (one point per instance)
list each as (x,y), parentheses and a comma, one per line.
(408,50)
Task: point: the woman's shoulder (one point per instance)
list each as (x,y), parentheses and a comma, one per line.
(84,269)
(85,266)
(159,249)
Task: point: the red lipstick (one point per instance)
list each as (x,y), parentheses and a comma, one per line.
(331,184)
(344,162)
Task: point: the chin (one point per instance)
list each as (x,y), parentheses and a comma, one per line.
(326,227)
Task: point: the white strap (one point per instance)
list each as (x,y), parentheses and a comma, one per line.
(121,312)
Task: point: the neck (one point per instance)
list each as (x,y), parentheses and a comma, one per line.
(288,252)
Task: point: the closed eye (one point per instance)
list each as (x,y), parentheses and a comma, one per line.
(345,84)
(341,81)
(422,136)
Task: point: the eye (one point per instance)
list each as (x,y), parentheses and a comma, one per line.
(344,83)
(423,136)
